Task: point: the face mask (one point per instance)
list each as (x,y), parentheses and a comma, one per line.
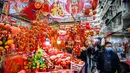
(109,49)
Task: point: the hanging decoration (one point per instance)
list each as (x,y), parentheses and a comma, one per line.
(74,6)
(38,5)
(94,4)
(45,8)
(56,10)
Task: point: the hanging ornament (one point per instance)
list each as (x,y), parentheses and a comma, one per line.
(88,27)
(87,22)
(94,4)
(45,7)
(38,5)
(94,12)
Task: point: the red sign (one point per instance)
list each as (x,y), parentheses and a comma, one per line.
(13,64)
(56,10)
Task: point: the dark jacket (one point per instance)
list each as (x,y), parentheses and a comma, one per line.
(90,51)
(115,62)
(83,56)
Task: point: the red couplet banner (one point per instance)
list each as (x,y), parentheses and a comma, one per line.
(13,64)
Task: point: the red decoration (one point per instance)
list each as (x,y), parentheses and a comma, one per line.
(94,4)
(45,7)
(86,12)
(29,11)
(74,7)
(88,26)
(38,5)
(87,23)
(94,12)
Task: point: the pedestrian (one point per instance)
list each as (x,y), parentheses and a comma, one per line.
(83,57)
(90,52)
(95,56)
(120,51)
(108,61)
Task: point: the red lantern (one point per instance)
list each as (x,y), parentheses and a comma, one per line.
(38,5)
(87,23)
(88,27)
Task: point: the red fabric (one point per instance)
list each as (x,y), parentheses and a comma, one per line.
(28,11)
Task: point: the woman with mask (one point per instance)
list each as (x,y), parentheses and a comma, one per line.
(108,61)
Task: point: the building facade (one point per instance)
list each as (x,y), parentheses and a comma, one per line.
(115,15)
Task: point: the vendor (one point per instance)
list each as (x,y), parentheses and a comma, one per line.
(83,57)
(68,48)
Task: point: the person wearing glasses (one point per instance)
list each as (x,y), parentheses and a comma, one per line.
(108,61)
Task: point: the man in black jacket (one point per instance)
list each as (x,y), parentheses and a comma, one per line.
(108,61)
(83,57)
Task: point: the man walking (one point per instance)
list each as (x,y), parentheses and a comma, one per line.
(108,61)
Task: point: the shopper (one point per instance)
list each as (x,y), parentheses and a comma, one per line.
(83,57)
(108,61)
(120,51)
(95,56)
(90,52)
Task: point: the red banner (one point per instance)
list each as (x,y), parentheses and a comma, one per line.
(13,64)
(56,10)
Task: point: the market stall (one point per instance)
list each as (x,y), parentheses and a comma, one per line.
(29,45)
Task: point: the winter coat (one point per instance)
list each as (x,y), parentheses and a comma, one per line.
(113,60)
